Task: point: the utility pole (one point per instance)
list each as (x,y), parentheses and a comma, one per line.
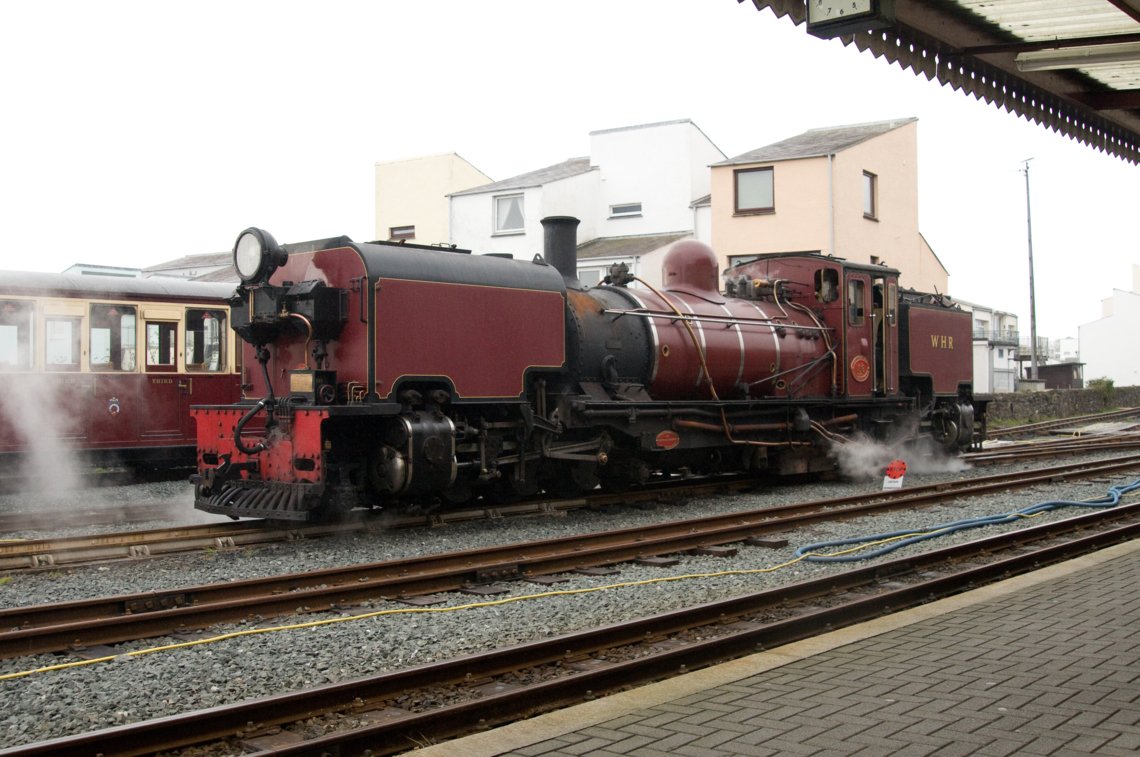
(1032,300)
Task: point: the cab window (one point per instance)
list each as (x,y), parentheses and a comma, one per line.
(827,285)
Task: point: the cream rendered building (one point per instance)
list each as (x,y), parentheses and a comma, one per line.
(412,196)
(849,191)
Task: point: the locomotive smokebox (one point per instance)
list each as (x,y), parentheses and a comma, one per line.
(560,247)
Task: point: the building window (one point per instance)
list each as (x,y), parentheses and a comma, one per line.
(509,214)
(627,209)
(870,195)
(590,277)
(396,233)
(755,192)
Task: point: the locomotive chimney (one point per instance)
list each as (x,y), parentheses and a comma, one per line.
(560,247)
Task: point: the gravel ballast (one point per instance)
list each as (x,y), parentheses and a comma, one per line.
(61,702)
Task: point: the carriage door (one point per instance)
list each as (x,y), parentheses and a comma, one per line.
(860,354)
(165,405)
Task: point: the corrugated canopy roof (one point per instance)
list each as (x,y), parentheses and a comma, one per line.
(1070,65)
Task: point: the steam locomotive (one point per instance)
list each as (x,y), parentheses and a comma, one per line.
(406,376)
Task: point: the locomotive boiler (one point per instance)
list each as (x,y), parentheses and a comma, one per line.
(406,376)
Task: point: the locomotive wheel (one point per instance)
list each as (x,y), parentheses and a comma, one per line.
(458,493)
(506,489)
(947,435)
(571,479)
(622,475)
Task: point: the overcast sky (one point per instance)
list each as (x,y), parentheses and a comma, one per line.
(138,132)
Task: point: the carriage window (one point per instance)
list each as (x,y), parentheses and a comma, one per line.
(205,340)
(15,335)
(856,302)
(61,346)
(827,285)
(112,338)
(161,346)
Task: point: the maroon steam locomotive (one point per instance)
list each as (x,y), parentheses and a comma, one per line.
(397,375)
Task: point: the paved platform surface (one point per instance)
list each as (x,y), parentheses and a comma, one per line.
(1043,664)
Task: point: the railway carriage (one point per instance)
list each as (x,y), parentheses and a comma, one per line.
(107,367)
(396,375)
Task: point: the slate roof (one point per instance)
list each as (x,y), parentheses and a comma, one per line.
(632,246)
(817,143)
(190,261)
(563,170)
(228,275)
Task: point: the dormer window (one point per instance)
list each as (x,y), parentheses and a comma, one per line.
(625,210)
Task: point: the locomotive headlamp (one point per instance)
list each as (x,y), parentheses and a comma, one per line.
(257,255)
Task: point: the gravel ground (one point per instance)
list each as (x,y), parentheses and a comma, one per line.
(60,702)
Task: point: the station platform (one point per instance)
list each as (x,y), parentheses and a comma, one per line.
(1047,663)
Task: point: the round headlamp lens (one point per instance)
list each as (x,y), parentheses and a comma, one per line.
(248,255)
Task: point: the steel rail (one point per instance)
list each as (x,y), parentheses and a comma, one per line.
(49,628)
(1029,428)
(50,553)
(1034,450)
(736,637)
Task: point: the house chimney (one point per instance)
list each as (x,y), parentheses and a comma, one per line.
(560,247)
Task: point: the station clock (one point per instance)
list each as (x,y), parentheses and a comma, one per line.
(834,18)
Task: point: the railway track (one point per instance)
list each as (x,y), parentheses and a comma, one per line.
(392,712)
(71,625)
(1058,423)
(1021,451)
(53,553)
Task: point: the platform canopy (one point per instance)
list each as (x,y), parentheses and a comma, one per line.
(1070,65)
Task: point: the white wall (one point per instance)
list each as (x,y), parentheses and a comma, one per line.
(1108,345)
(473,216)
(995,364)
(663,166)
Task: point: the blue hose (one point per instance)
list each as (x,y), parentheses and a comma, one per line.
(1109,500)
